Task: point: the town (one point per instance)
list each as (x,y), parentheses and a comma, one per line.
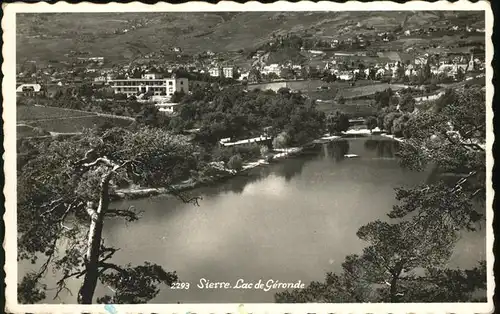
(343,134)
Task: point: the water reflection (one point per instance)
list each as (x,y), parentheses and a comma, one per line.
(292,167)
(384,148)
(336,149)
(287,169)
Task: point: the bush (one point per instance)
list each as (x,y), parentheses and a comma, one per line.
(245,152)
(407,103)
(264,150)
(338,123)
(400,126)
(389,121)
(235,163)
(371,123)
(281,141)
(40,132)
(177,96)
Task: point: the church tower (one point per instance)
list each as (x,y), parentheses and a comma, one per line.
(471,63)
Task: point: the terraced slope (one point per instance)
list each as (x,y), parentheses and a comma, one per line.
(121,36)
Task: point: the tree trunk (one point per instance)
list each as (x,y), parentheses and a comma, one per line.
(86,292)
(394,282)
(394,289)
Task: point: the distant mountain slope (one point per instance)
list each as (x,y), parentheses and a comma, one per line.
(122,36)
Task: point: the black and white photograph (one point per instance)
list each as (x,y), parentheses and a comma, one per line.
(285,156)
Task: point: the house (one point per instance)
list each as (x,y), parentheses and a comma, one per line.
(243,76)
(100,79)
(272,68)
(410,72)
(345,75)
(214,71)
(434,70)
(380,72)
(228,72)
(151,76)
(420,61)
(217,71)
(29,89)
(445,68)
(167,107)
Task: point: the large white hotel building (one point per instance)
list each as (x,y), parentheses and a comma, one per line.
(150,82)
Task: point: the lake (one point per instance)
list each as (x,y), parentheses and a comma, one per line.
(292,220)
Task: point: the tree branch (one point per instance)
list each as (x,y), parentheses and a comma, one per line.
(61,284)
(474,130)
(473,146)
(59,202)
(106,266)
(110,251)
(100,160)
(128,214)
(186,198)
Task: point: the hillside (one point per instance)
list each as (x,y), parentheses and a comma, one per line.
(123,36)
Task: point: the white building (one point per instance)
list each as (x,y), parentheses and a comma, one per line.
(214,72)
(150,83)
(228,72)
(410,72)
(29,88)
(316,52)
(243,76)
(272,68)
(167,107)
(380,72)
(151,76)
(221,71)
(345,75)
(226,142)
(101,79)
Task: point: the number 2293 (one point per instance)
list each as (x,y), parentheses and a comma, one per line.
(180,285)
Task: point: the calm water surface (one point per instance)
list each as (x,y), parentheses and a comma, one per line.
(289,221)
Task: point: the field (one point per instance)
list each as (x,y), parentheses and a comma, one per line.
(367,90)
(60,120)
(33,113)
(353,108)
(74,125)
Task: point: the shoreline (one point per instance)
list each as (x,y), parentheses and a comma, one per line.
(226,174)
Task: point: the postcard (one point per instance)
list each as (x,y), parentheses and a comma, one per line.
(248,158)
